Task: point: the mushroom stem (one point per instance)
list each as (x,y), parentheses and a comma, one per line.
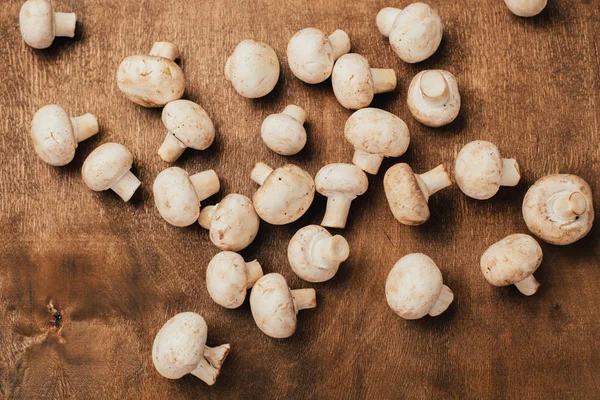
(434,87)
(206,184)
(340,43)
(64,24)
(171,148)
(206,372)
(304,299)
(567,205)
(216,355)
(85,127)
(260,173)
(329,252)
(336,212)
(227,69)
(295,112)
(528,286)
(368,162)
(126,186)
(254,272)
(436,179)
(510,172)
(384,80)
(166,50)
(386,18)
(443,302)
(206,215)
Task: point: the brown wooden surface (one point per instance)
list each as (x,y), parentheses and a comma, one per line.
(116,271)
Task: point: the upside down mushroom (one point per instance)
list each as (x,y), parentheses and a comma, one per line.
(252,69)
(39,24)
(433,98)
(228,278)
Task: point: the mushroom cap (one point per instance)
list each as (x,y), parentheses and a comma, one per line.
(416,33)
(478,170)
(234,223)
(434,115)
(106,165)
(352,81)
(511,260)
(377,131)
(53,137)
(179,345)
(253,69)
(553,230)
(273,307)
(189,123)
(300,254)
(175,197)
(310,55)
(283,134)
(341,178)
(36,21)
(526,8)
(227,279)
(413,286)
(405,196)
(285,196)
(150,81)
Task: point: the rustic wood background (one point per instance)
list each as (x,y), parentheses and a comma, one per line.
(87,280)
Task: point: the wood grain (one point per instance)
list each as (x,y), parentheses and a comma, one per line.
(115,272)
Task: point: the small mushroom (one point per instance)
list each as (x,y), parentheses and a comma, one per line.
(228,277)
(559,209)
(433,98)
(188,125)
(414,288)
(315,255)
(355,83)
(480,170)
(55,135)
(415,32)
(285,193)
(512,261)
(311,54)
(408,193)
(178,195)
(284,133)
(39,23)
(108,167)
(274,306)
(375,134)
(180,349)
(526,8)
(232,224)
(340,183)
(152,80)
(252,69)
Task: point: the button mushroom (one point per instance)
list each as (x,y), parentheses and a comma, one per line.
(232,224)
(414,288)
(108,167)
(39,23)
(415,32)
(433,98)
(355,83)
(285,193)
(284,133)
(180,349)
(408,193)
(252,69)
(526,8)
(315,255)
(188,125)
(274,306)
(228,277)
(152,80)
(559,209)
(480,170)
(375,134)
(512,261)
(311,54)
(178,195)
(340,183)
(55,135)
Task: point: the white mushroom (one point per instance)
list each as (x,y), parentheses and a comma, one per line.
(108,167)
(252,69)
(315,255)
(274,306)
(414,288)
(526,8)
(311,54)
(39,23)
(228,277)
(178,195)
(284,133)
(180,349)
(55,135)
(188,125)
(433,98)
(375,134)
(480,170)
(355,83)
(559,209)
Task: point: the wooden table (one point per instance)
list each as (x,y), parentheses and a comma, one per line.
(87,280)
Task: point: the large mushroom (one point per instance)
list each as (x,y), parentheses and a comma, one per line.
(433,98)
(252,69)
(228,278)
(526,8)
(39,23)
(284,133)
